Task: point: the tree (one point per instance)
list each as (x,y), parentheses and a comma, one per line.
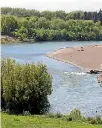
(100,17)
(49,26)
(25,87)
(8,25)
(60,14)
(42,23)
(47,14)
(95,17)
(20,12)
(22,33)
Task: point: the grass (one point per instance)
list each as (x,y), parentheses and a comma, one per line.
(14,121)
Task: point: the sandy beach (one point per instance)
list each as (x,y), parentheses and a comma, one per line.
(87,57)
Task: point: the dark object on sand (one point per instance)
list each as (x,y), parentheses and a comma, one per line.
(94,72)
(82,49)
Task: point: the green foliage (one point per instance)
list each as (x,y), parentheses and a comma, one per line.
(21,12)
(95,120)
(99,119)
(21,33)
(57,115)
(25,87)
(8,25)
(60,26)
(75,15)
(75,115)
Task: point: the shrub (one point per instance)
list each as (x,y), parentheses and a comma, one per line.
(26,113)
(95,120)
(99,120)
(89,118)
(75,115)
(57,115)
(25,87)
(50,115)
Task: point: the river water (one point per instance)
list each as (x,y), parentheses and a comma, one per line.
(72,87)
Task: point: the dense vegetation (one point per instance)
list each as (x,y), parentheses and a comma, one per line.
(24,87)
(51,26)
(75,15)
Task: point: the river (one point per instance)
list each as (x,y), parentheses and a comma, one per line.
(72,88)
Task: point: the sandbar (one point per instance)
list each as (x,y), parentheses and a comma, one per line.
(86,57)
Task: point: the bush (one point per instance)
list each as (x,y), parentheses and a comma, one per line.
(50,115)
(26,113)
(89,119)
(75,115)
(25,87)
(99,120)
(95,120)
(57,115)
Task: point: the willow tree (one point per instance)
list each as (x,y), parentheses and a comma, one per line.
(25,87)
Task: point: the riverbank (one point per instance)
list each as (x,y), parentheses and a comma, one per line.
(43,121)
(8,39)
(87,57)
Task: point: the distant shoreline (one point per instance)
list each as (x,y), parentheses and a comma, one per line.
(7,39)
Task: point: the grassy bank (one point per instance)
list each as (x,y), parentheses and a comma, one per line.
(13,121)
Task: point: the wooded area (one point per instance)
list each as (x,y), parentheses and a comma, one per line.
(51,26)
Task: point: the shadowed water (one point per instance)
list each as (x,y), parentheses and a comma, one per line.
(72,88)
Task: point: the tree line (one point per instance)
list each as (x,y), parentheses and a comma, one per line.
(42,28)
(75,15)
